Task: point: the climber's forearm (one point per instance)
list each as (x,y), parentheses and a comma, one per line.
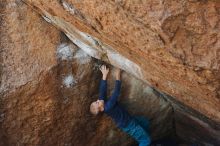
(103,89)
(104,76)
(113,99)
(118,74)
(118,77)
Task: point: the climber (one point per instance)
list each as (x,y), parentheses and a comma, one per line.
(137,127)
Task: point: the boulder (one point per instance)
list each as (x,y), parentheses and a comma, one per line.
(169,52)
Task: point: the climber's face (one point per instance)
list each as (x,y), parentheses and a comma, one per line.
(97,106)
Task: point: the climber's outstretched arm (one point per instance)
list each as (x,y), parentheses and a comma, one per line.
(113,99)
(103,83)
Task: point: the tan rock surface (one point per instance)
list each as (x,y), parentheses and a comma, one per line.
(176,44)
(26,51)
(47,82)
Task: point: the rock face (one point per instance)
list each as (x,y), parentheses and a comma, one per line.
(47,84)
(23,36)
(175,45)
(49,80)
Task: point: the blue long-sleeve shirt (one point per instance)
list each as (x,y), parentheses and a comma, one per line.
(112,107)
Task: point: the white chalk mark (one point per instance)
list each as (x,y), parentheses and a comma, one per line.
(69,81)
(82,57)
(65,52)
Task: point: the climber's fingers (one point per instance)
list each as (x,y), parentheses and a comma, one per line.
(107,70)
(103,67)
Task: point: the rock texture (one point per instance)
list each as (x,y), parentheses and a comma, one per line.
(185,123)
(174,44)
(47,84)
(192,126)
(48,80)
(24,45)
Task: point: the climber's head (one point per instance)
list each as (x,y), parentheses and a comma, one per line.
(97,106)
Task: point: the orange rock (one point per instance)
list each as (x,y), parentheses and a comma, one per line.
(47,82)
(135,31)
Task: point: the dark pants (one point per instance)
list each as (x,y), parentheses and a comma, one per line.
(138,128)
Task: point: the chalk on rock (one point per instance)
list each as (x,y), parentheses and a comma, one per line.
(70,8)
(47,19)
(69,81)
(65,52)
(82,57)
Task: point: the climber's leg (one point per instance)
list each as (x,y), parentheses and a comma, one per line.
(144,122)
(136,131)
